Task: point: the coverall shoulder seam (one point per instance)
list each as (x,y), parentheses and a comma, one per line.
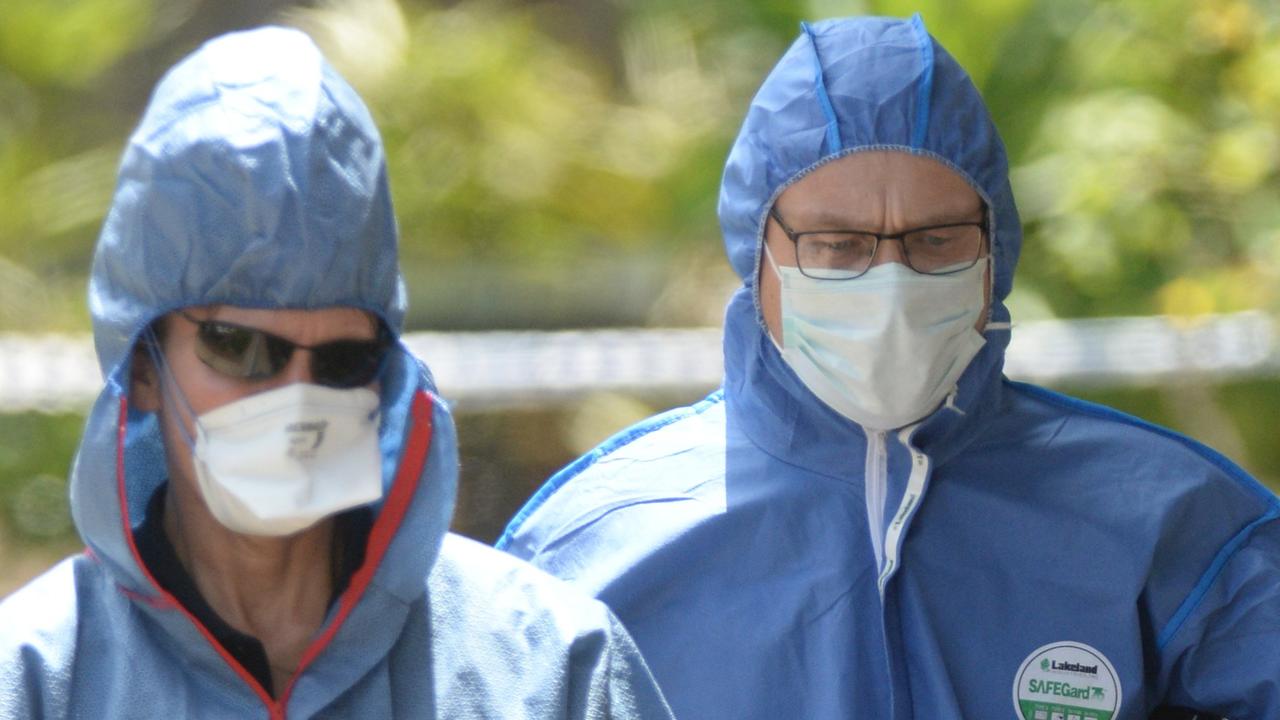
(1200,591)
(1213,457)
(577,467)
(1270,509)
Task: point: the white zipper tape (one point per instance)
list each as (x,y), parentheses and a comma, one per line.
(910,500)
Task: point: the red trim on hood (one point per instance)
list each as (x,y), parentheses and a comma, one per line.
(383,531)
(417,446)
(163,599)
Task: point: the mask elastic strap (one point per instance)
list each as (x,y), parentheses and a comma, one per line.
(991,273)
(773,264)
(169,385)
(951,396)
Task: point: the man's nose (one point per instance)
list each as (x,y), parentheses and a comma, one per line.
(298,369)
(889,250)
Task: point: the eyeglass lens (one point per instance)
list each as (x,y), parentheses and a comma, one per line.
(256,355)
(938,250)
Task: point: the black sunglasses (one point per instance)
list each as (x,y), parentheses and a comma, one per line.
(253,354)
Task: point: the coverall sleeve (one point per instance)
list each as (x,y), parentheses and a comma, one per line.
(1225,657)
(38,646)
(610,679)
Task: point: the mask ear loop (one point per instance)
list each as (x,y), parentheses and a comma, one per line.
(991,286)
(950,403)
(778,272)
(768,255)
(169,385)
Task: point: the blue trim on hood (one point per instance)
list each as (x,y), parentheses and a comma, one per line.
(924,89)
(834,143)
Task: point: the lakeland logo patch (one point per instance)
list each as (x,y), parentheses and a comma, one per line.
(1066,681)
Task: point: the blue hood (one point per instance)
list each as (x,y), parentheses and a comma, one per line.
(256,178)
(847,86)
(250,183)
(857,84)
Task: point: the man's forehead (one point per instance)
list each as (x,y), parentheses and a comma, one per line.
(882,185)
(345,321)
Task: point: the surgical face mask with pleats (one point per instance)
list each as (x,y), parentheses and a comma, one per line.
(277,462)
(886,348)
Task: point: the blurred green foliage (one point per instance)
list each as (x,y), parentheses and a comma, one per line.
(556,164)
(35,455)
(66,44)
(1148,179)
(532,189)
(35,521)
(547,178)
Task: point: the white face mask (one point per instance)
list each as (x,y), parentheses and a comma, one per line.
(886,348)
(280,461)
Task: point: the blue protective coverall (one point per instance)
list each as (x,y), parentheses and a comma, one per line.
(257,179)
(1016,552)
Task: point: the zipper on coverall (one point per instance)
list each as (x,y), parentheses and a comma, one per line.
(887,542)
(875,483)
(910,500)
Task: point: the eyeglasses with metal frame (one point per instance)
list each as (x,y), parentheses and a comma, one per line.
(847,254)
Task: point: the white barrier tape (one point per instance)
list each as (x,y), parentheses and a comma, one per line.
(494,370)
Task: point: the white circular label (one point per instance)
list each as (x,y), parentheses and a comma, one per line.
(1066,681)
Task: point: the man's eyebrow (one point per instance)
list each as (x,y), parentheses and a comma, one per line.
(832,219)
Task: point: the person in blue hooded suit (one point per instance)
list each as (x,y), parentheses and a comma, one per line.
(868,520)
(265,483)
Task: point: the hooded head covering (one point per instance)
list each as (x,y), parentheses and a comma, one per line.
(846,86)
(256,179)
(858,84)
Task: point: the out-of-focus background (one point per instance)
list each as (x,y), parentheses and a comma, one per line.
(555,166)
